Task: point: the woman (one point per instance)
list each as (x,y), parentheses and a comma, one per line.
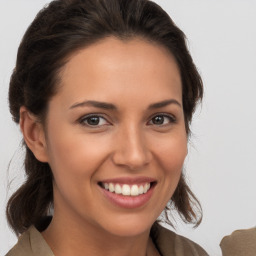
(104,93)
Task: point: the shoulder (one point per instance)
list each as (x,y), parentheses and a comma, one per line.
(22,247)
(240,242)
(30,243)
(169,243)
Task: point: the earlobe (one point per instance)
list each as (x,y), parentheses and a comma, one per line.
(33,134)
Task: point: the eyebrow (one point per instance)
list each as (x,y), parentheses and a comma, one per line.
(164,104)
(109,106)
(96,104)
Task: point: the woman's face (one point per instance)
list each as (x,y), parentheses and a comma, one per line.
(115,136)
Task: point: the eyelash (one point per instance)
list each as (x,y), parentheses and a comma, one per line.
(84,120)
(171,119)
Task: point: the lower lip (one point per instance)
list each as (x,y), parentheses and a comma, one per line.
(128,202)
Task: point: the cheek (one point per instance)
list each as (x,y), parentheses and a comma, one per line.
(171,154)
(75,157)
(74,161)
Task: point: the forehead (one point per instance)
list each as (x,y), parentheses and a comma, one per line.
(117,66)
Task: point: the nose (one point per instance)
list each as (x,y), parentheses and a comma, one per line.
(131,149)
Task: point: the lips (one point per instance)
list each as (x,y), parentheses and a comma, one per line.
(128,192)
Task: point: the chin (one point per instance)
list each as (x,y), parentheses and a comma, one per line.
(129,226)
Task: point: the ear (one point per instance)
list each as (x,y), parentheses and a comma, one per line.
(33,134)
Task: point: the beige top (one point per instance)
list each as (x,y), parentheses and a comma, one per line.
(32,243)
(239,243)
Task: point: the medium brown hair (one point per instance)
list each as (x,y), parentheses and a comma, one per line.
(60,29)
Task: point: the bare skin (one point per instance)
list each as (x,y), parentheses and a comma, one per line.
(118,115)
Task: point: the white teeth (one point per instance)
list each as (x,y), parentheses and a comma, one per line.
(118,189)
(141,189)
(127,190)
(134,190)
(111,187)
(147,187)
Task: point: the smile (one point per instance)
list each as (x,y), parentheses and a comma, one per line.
(127,190)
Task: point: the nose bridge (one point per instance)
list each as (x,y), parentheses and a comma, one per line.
(131,147)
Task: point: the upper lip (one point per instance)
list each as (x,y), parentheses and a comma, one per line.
(129,180)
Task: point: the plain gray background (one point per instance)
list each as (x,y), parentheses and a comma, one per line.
(221,165)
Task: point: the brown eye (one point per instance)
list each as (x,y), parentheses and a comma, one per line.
(93,120)
(159,120)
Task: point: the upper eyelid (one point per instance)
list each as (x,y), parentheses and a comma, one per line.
(84,117)
(92,115)
(163,114)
